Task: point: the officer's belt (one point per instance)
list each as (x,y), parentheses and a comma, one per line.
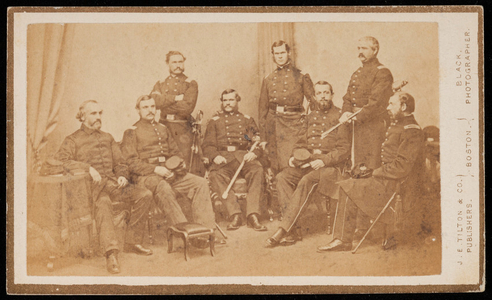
(286,108)
(318,151)
(174,118)
(233,148)
(157,160)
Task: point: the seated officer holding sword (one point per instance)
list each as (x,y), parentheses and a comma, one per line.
(370,192)
(317,158)
(226,142)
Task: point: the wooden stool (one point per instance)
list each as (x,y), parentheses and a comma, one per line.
(189,231)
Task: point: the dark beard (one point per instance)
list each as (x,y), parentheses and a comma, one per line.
(318,106)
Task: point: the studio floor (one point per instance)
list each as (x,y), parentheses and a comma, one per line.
(244,254)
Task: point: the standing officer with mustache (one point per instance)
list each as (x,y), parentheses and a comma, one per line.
(369,89)
(324,166)
(176,98)
(97,153)
(228,136)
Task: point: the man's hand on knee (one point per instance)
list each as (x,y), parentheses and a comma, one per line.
(316,164)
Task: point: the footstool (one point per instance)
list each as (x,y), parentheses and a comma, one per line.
(188,231)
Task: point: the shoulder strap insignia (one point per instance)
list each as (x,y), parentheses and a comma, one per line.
(247,117)
(382,67)
(188,79)
(409,126)
(215,118)
(133,127)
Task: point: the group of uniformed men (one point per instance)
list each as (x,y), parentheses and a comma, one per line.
(149,166)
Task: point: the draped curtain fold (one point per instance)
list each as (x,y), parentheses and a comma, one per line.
(48,58)
(268,33)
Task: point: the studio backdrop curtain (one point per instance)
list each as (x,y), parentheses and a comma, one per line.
(268,33)
(48,59)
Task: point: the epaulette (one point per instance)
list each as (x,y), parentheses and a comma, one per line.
(409,126)
(215,118)
(381,67)
(133,127)
(188,79)
(161,124)
(156,92)
(247,117)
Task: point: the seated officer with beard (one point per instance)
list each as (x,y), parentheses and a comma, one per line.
(324,164)
(147,147)
(97,153)
(401,156)
(228,136)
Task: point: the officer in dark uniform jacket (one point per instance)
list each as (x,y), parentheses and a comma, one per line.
(147,147)
(228,137)
(280,106)
(369,89)
(325,165)
(176,98)
(97,153)
(401,156)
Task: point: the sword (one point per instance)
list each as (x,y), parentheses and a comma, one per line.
(326,133)
(226,192)
(196,133)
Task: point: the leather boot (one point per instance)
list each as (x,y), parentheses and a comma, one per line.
(112,263)
(275,239)
(335,245)
(236,222)
(138,249)
(255,223)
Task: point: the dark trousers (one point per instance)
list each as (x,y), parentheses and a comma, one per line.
(139,198)
(286,183)
(348,218)
(252,172)
(295,185)
(192,187)
(294,188)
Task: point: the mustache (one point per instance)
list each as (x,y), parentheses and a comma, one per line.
(178,68)
(361,55)
(96,121)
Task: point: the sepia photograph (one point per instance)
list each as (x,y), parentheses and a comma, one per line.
(258,149)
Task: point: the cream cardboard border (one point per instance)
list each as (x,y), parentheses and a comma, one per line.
(452,27)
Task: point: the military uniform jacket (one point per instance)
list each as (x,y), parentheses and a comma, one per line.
(164,93)
(370,87)
(147,145)
(87,148)
(286,86)
(335,148)
(402,158)
(226,136)
(402,147)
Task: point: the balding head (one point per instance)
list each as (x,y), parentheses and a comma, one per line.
(368,48)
